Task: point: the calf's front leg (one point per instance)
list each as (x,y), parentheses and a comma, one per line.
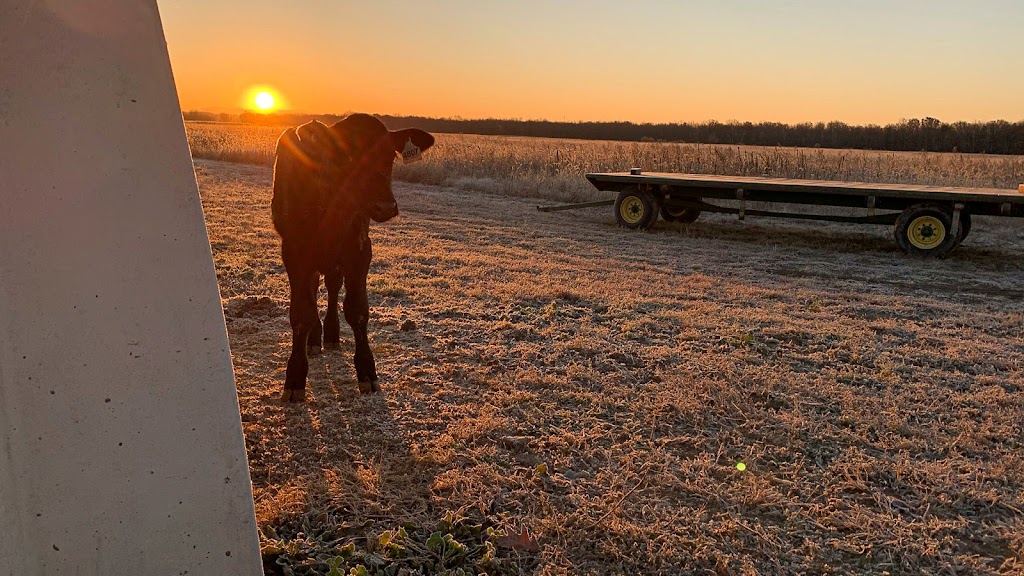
(302,315)
(357,314)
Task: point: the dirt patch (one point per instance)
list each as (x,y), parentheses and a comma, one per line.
(599,387)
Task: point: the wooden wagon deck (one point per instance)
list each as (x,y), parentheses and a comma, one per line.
(753,183)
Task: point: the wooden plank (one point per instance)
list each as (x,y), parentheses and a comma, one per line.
(754,183)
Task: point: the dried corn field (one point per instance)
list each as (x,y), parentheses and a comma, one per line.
(561,396)
(553,168)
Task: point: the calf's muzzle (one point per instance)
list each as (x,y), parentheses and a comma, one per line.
(384,211)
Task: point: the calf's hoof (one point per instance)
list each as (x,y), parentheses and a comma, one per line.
(312,350)
(293,395)
(368,386)
(332,345)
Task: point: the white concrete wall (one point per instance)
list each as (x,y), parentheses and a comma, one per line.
(121,448)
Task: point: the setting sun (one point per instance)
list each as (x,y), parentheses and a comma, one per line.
(263,98)
(264,101)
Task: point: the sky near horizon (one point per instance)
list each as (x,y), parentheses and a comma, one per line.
(857,61)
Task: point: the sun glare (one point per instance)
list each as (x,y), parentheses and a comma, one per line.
(263,98)
(264,101)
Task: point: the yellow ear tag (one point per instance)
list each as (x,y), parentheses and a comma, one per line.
(411,153)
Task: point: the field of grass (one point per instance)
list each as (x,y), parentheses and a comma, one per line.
(561,396)
(553,168)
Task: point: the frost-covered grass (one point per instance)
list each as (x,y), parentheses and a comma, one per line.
(597,388)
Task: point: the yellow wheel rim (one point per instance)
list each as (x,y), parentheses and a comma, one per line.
(926,232)
(632,210)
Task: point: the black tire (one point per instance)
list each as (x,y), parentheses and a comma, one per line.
(924,230)
(684,215)
(636,209)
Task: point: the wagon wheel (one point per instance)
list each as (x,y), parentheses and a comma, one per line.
(924,229)
(636,209)
(680,214)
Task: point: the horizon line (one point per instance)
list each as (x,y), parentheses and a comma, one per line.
(731,121)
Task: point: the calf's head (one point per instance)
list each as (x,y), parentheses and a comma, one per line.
(370,149)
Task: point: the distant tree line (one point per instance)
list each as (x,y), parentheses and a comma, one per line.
(928,134)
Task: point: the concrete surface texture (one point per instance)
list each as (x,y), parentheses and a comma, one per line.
(121,448)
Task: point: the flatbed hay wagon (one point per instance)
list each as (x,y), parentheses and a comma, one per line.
(926,220)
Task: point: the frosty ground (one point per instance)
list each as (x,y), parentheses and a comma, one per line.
(598,386)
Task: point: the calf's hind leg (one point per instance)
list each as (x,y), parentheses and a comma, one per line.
(316,331)
(332,326)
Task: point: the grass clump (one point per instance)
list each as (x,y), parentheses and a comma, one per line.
(325,545)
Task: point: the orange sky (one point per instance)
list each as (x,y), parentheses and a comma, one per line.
(865,61)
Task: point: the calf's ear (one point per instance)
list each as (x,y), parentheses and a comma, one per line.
(411,143)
